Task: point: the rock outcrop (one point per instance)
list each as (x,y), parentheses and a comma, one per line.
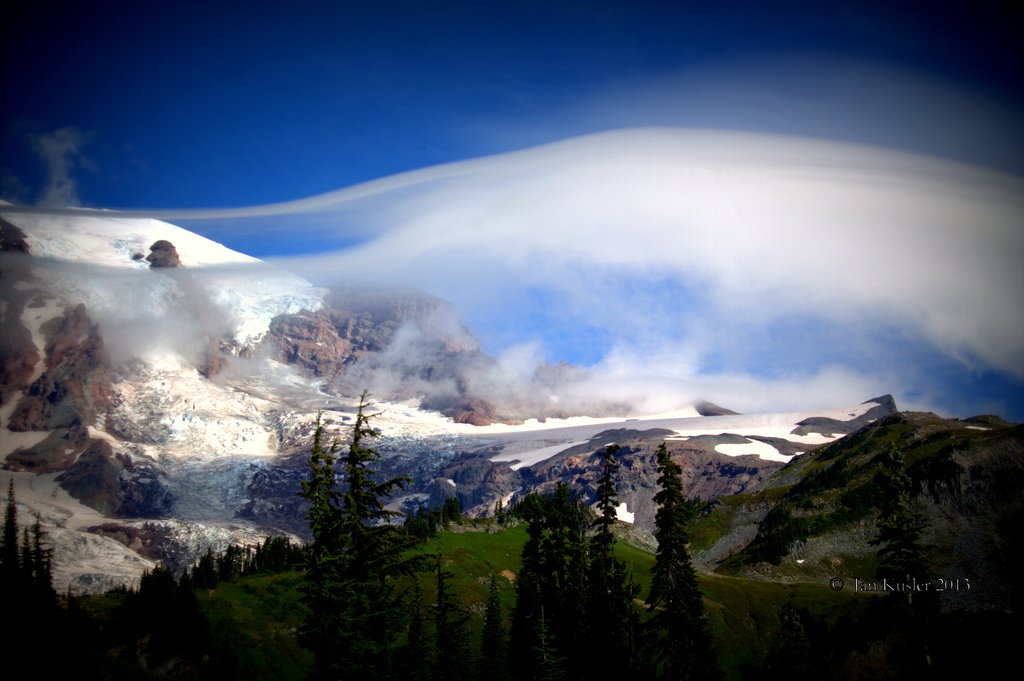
(12,239)
(163,254)
(355,323)
(885,405)
(965,480)
(76,386)
(18,353)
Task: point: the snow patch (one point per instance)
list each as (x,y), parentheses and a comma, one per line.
(106,239)
(623,514)
(530,454)
(13,441)
(761,449)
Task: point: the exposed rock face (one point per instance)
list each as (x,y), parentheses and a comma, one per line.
(826,426)
(399,341)
(353,323)
(706,473)
(12,239)
(475,412)
(480,482)
(56,452)
(705,408)
(76,386)
(18,354)
(966,479)
(313,341)
(274,500)
(435,318)
(173,543)
(559,374)
(163,254)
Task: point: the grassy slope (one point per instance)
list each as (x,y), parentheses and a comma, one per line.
(834,504)
(255,619)
(745,613)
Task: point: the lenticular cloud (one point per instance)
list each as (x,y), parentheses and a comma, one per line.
(694,254)
(752,227)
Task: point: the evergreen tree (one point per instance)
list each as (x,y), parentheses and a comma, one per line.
(41,570)
(525,631)
(451,511)
(566,547)
(552,580)
(789,658)
(204,573)
(414,660)
(26,558)
(681,638)
(609,597)
(9,560)
(899,530)
(493,654)
(451,624)
(550,666)
(324,590)
(354,557)
(25,572)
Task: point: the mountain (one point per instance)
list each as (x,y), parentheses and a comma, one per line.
(815,517)
(158,390)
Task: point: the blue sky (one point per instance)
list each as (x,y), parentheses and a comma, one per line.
(221,105)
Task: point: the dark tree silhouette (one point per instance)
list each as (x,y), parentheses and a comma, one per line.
(354,557)
(681,638)
(493,652)
(608,600)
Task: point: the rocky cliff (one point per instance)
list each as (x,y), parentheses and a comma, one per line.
(966,477)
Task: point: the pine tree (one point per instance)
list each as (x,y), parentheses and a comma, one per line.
(354,557)
(550,665)
(204,573)
(41,570)
(608,605)
(552,581)
(900,531)
(493,653)
(322,588)
(25,573)
(451,624)
(682,638)
(525,630)
(417,660)
(375,545)
(26,558)
(9,560)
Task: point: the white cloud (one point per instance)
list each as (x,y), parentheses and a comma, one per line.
(755,227)
(682,252)
(61,152)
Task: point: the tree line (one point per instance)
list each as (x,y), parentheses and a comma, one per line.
(577,611)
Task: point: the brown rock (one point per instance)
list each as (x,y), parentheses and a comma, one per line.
(76,385)
(163,254)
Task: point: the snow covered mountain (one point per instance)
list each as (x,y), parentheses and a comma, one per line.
(157,395)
